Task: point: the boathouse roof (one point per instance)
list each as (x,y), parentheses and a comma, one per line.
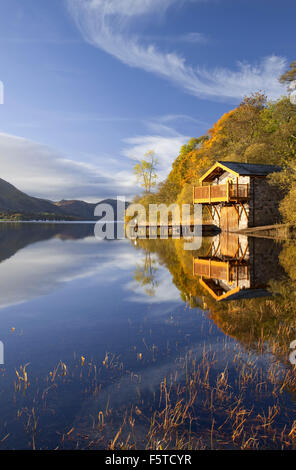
(238,169)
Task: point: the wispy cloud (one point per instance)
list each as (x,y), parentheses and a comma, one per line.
(37,40)
(194,38)
(44,172)
(106,24)
(190,38)
(182,117)
(166,149)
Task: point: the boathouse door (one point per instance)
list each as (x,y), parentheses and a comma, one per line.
(228,218)
(229,244)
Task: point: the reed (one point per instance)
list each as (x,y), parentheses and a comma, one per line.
(243,405)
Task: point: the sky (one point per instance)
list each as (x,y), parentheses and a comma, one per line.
(91,85)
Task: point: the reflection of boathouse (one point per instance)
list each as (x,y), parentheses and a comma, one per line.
(238,196)
(237,267)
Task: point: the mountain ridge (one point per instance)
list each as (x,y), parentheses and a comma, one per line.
(16,204)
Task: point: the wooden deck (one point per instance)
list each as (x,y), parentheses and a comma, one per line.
(228,271)
(229,192)
(167,231)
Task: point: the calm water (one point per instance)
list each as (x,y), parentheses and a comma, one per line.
(101,326)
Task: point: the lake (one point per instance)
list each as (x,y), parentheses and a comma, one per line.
(142,344)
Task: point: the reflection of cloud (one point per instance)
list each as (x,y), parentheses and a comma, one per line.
(164,291)
(106,24)
(151,378)
(43,267)
(152,375)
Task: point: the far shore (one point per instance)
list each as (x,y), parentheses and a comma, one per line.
(6,221)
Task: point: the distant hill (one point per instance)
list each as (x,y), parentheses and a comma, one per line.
(83,209)
(16,204)
(76,208)
(14,200)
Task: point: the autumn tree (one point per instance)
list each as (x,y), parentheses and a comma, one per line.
(185,169)
(145,171)
(289,75)
(256,131)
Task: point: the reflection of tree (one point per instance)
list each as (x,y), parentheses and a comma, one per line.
(145,274)
(171,254)
(261,325)
(268,321)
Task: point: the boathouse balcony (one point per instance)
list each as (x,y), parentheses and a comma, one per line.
(229,192)
(227,271)
(222,279)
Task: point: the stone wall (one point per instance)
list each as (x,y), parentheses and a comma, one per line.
(230,176)
(263,206)
(264,261)
(264,203)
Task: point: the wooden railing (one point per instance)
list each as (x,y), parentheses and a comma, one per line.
(211,269)
(221,270)
(238,191)
(220,193)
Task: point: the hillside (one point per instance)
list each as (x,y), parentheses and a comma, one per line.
(76,208)
(257,131)
(18,205)
(83,209)
(14,200)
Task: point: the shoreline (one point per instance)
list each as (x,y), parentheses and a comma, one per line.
(57,222)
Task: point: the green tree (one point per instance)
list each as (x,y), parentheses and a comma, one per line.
(145,171)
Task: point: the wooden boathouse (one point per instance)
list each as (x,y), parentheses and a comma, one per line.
(238,195)
(237,267)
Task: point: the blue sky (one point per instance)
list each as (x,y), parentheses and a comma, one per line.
(91,85)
